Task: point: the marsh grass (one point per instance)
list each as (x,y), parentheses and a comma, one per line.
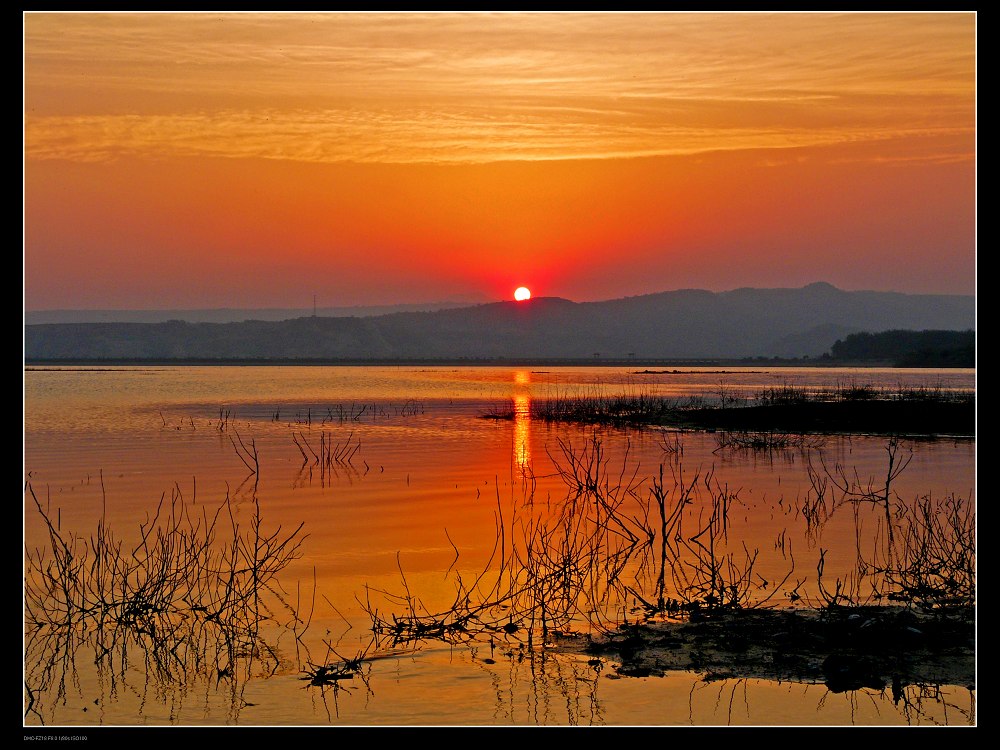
(933,564)
(190,598)
(690,566)
(850,391)
(349,413)
(631,408)
(622,548)
(638,406)
(550,567)
(924,552)
(766,441)
(634,406)
(615,547)
(332,458)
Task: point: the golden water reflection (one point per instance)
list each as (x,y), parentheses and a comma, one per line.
(522,420)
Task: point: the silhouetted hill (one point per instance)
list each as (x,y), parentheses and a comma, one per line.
(683,324)
(910,348)
(230,314)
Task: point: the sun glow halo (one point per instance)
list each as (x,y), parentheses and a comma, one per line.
(522,293)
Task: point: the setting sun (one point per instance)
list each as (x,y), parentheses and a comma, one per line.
(755,237)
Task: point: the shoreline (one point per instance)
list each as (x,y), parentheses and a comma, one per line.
(38,364)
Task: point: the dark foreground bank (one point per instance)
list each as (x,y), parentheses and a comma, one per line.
(846,648)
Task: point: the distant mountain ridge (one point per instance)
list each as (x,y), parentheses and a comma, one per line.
(682,324)
(229,314)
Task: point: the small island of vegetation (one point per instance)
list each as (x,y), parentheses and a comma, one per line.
(848,409)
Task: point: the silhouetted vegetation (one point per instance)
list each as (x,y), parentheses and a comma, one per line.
(850,407)
(193,596)
(667,589)
(909,348)
(636,568)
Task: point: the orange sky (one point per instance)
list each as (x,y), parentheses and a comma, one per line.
(253,160)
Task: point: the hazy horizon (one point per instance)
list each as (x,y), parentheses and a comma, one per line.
(455,301)
(251,160)
(685,324)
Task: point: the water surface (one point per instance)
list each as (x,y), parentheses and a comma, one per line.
(428,484)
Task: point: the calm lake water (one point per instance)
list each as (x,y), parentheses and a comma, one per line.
(412,497)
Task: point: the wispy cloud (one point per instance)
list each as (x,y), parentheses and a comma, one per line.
(488,87)
(412,136)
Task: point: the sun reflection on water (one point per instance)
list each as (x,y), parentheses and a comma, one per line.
(522,419)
